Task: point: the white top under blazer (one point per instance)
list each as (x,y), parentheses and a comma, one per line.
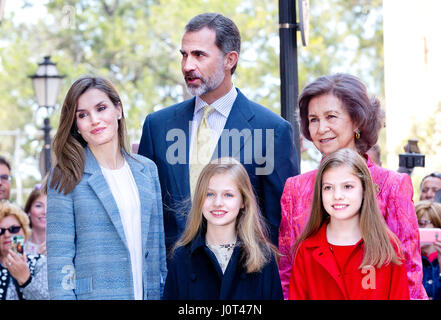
(126,195)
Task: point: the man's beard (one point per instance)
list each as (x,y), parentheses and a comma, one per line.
(207,85)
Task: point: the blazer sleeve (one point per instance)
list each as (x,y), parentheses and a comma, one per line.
(60,245)
(297,286)
(146,142)
(285,165)
(159,222)
(402,220)
(286,231)
(276,292)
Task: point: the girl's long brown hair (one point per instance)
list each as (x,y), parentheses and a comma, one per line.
(68,144)
(250,226)
(379,242)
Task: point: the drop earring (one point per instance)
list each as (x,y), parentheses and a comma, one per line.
(357,134)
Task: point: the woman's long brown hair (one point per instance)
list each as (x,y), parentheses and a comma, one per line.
(68,144)
(381,246)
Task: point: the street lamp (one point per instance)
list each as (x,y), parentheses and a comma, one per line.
(46,82)
(289,86)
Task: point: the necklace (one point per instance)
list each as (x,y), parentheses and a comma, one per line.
(223,253)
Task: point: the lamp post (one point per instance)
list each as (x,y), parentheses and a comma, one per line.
(46,82)
(289,86)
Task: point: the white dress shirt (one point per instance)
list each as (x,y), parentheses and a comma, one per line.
(126,195)
(217,119)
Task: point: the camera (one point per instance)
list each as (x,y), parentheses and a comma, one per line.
(411,158)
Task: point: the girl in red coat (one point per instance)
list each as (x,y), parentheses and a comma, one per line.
(346,250)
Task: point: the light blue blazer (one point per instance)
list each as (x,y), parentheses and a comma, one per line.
(87,251)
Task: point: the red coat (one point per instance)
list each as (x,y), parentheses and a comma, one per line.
(316,275)
(394,201)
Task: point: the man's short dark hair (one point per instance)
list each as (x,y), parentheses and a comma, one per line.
(227,33)
(5,162)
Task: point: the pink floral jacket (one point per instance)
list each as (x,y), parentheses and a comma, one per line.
(395,203)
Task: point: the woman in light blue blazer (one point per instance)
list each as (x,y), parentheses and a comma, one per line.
(105,234)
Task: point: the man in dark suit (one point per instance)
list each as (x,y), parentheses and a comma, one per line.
(261,140)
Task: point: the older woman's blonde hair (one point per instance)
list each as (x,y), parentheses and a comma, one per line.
(432,209)
(250,226)
(9,209)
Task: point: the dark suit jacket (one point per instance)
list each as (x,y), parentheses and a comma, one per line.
(195,274)
(166,140)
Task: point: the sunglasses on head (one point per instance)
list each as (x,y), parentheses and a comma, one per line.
(11,229)
(434,175)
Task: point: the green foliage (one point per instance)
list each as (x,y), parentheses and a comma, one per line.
(136,45)
(429,138)
(345,36)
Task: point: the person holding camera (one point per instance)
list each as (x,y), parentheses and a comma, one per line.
(429,216)
(22,277)
(336,112)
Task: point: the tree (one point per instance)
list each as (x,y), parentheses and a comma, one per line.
(136,45)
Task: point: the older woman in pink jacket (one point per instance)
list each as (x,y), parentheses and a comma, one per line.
(336,112)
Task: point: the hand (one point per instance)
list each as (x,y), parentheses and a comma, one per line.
(17,266)
(42,248)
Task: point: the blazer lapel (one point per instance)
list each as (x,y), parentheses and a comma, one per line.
(238,119)
(181,122)
(99,185)
(143,183)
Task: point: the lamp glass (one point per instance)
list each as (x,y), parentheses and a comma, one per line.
(46,86)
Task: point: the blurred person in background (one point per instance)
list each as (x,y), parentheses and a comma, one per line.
(5,179)
(429,216)
(23,277)
(437,196)
(35,207)
(430,185)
